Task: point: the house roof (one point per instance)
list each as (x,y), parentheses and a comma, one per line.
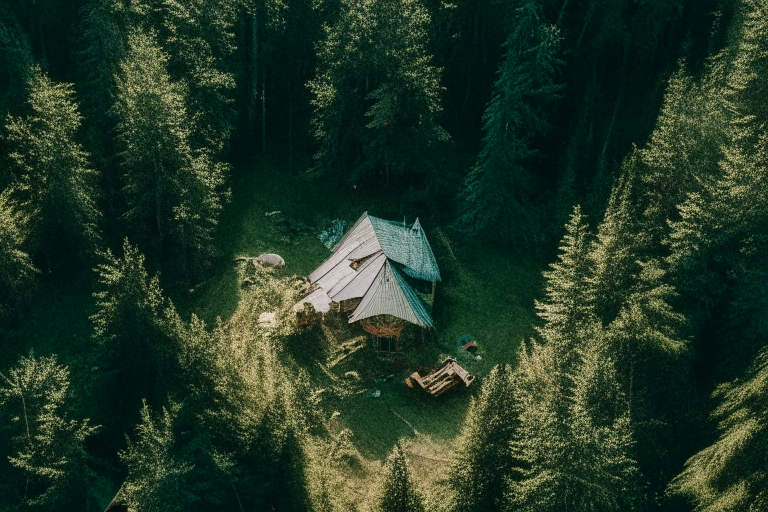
(374,244)
(408,246)
(399,242)
(389,294)
(318,298)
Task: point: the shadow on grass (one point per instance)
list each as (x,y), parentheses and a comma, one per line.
(57,321)
(485,292)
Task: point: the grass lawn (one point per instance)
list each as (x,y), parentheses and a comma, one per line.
(484,292)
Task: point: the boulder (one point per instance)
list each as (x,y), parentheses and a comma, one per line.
(273,260)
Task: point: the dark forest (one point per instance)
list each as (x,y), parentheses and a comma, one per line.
(592,176)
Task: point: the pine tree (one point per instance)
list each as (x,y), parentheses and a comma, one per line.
(134,349)
(174,192)
(49,461)
(17,271)
(398,491)
(56,186)
(157,479)
(569,303)
(730,475)
(377,95)
(573,447)
(16,61)
(498,197)
(483,463)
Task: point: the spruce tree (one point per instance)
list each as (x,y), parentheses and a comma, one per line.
(157,479)
(716,244)
(746,87)
(684,149)
(615,252)
(174,192)
(647,328)
(730,475)
(56,185)
(198,37)
(540,445)
(398,491)
(281,451)
(478,476)
(134,348)
(607,476)
(100,47)
(377,94)
(49,466)
(573,447)
(569,304)
(153,128)
(634,300)
(575,441)
(17,271)
(499,193)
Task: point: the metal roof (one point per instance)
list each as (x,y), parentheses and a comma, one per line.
(357,284)
(380,285)
(318,298)
(389,294)
(361,232)
(408,246)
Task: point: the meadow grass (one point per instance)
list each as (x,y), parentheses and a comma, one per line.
(485,292)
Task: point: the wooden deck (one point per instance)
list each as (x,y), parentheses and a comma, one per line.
(441,380)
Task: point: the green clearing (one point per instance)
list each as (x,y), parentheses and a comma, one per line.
(484,292)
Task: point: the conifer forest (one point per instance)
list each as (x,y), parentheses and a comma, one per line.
(592,177)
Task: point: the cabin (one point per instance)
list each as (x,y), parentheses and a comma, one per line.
(368,277)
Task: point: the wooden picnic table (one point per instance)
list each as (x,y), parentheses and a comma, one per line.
(448,375)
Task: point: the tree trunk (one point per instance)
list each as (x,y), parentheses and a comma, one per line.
(623,75)
(601,158)
(290,131)
(631,378)
(254,82)
(587,19)
(158,196)
(263,115)
(562,13)
(184,252)
(469,75)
